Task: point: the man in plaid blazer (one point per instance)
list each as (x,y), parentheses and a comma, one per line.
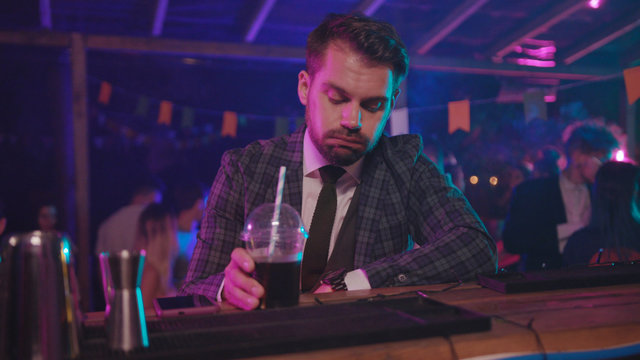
(412,227)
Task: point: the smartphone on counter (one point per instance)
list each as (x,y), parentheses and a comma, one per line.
(184,305)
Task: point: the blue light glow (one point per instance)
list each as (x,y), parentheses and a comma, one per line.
(143,320)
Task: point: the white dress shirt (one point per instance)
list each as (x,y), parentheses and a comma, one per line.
(577,207)
(345,188)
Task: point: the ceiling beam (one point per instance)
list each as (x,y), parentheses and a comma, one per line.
(535,27)
(466,66)
(45,14)
(258,20)
(617,29)
(368,7)
(448,25)
(159,15)
(292,54)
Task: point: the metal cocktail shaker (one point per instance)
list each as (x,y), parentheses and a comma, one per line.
(39,298)
(124,314)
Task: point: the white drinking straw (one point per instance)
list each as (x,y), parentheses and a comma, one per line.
(276,210)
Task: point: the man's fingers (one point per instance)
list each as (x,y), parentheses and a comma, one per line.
(240,299)
(241,258)
(240,289)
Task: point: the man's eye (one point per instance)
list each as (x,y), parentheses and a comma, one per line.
(373,107)
(337,101)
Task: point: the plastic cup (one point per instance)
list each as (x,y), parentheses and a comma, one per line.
(276,247)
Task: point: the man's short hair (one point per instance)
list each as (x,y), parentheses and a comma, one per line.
(184,194)
(377,40)
(146,185)
(591,139)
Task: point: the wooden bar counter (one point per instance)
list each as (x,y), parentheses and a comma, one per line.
(590,323)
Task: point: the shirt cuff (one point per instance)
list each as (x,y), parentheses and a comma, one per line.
(219,296)
(357,280)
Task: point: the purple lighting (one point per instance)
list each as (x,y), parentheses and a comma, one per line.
(536,63)
(594,4)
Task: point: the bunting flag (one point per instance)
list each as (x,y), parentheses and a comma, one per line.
(459,116)
(104,96)
(534,105)
(142,108)
(399,121)
(187,117)
(632,83)
(281,126)
(164,115)
(229,124)
(242,120)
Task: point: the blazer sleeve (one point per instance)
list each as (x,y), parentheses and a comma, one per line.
(453,243)
(220,230)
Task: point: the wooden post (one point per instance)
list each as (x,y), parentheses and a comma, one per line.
(631,132)
(81,157)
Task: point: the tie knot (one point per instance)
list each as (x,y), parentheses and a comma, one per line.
(330,174)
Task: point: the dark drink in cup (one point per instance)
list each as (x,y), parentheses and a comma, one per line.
(275,243)
(280,277)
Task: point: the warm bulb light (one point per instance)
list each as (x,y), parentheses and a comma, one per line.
(493,181)
(473,180)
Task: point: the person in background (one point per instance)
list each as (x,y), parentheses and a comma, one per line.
(544,212)
(118,231)
(613,233)
(47,217)
(547,163)
(157,235)
(187,200)
(397,221)
(3,218)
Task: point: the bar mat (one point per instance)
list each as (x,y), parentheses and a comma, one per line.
(568,278)
(278,331)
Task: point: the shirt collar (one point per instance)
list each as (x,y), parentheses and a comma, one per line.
(567,184)
(313,160)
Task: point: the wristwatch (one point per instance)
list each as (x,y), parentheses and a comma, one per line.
(335,279)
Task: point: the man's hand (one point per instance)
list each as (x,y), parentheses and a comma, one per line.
(240,289)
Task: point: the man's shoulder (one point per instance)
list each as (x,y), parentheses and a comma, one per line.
(254,152)
(125,212)
(401,147)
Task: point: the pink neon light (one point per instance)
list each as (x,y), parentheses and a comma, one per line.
(594,4)
(543,53)
(549,98)
(620,155)
(536,63)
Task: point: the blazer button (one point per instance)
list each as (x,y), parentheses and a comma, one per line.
(402,277)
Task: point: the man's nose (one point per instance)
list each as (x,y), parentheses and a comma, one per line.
(351,117)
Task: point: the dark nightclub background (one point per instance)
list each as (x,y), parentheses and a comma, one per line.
(126,140)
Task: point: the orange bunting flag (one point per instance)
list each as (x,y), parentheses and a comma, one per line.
(459,116)
(105,93)
(632,83)
(229,124)
(164,115)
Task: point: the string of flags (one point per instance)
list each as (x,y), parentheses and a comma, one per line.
(186,126)
(199,126)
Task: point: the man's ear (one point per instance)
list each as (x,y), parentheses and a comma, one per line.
(394,99)
(304,84)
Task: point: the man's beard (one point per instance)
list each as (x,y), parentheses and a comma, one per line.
(330,152)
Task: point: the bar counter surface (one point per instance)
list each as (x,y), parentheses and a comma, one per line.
(590,323)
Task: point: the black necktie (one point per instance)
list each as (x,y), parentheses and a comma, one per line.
(316,249)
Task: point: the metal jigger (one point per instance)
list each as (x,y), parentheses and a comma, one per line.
(39,298)
(124,315)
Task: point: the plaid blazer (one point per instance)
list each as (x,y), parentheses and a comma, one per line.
(404,201)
